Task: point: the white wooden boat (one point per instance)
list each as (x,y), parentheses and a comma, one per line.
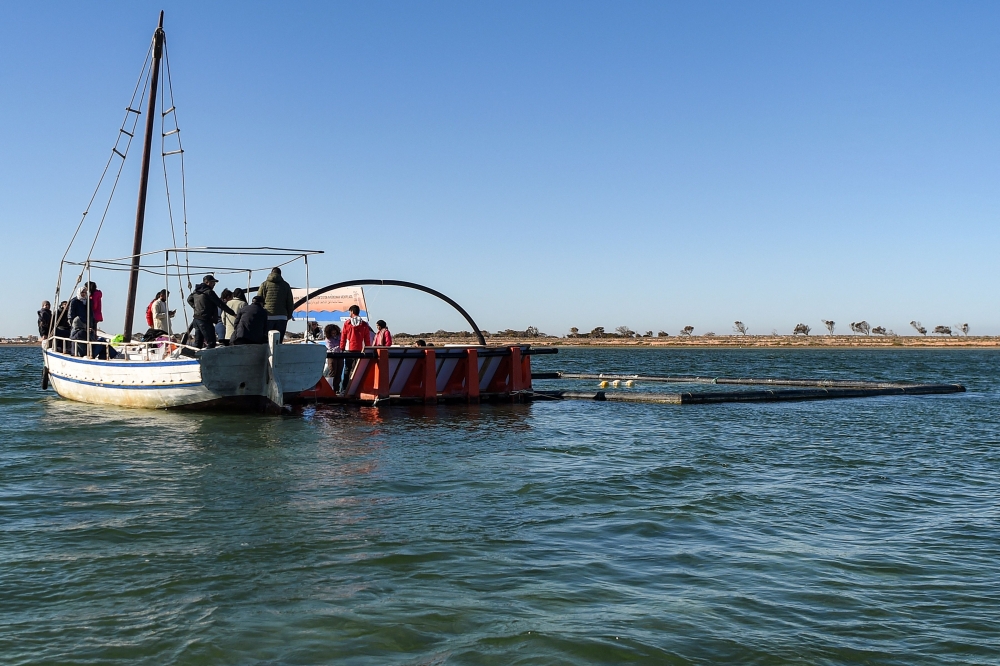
(165,374)
(162,376)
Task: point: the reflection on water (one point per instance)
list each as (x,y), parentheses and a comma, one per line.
(563,532)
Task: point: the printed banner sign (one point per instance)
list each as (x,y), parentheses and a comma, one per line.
(331,306)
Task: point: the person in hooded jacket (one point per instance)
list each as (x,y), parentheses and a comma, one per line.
(251,324)
(206,305)
(62,327)
(355,336)
(44,320)
(276,296)
(80,308)
(237,303)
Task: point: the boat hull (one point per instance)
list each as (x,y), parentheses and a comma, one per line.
(245,378)
(149,385)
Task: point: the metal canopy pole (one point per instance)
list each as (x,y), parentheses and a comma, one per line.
(140,212)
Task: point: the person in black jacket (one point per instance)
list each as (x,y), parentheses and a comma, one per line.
(44,320)
(81,308)
(63,329)
(206,304)
(251,324)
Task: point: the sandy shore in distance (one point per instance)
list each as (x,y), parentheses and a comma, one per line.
(742,341)
(715,341)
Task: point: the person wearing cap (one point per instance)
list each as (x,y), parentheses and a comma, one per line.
(206,304)
(276,295)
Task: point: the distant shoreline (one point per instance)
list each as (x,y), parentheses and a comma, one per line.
(737,342)
(710,342)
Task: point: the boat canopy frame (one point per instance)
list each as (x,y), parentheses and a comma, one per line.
(177,269)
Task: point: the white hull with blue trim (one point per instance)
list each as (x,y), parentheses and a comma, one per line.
(248,376)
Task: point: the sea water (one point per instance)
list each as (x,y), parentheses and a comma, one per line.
(848,531)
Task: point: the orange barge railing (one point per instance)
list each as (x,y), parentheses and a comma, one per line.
(432,374)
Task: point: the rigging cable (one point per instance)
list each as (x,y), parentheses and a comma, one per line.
(129,111)
(172,109)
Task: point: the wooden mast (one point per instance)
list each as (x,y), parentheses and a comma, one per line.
(140,211)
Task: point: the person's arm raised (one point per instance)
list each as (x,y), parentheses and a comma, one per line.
(222,306)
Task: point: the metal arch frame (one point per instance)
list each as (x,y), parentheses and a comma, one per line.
(396,283)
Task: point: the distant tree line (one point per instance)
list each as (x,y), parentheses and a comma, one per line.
(624,332)
(857,327)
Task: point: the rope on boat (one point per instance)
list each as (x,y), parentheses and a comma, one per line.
(130,114)
(168,90)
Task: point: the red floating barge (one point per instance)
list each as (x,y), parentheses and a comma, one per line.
(429,375)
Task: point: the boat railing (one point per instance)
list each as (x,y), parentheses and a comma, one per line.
(154,350)
(451,351)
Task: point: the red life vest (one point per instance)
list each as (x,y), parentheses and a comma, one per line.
(149,313)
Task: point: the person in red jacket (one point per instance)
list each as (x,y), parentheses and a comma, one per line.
(95,303)
(355,336)
(383,338)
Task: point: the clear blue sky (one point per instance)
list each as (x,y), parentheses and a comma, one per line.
(550,164)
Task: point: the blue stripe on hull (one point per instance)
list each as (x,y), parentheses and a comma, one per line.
(124,386)
(144,364)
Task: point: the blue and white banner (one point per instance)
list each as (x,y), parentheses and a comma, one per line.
(331,306)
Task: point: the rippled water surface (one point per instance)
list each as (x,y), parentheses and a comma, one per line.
(855,531)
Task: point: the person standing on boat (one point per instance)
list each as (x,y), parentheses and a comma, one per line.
(220,325)
(80,308)
(206,305)
(82,323)
(160,314)
(149,309)
(357,335)
(95,303)
(62,327)
(237,303)
(250,327)
(383,338)
(44,320)
(276,294)
(334,366)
